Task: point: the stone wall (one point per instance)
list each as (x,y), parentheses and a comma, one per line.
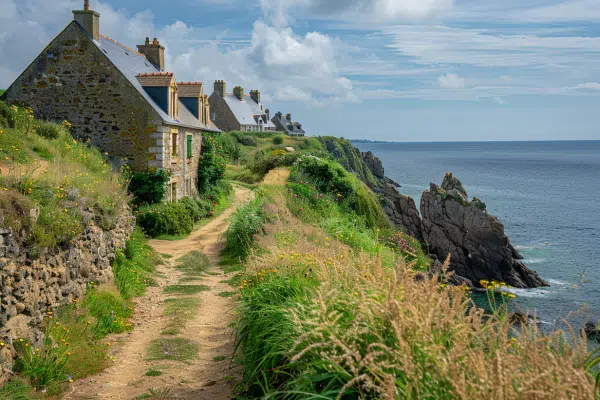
(224,118)
(72,80)
(32,288)
(182,169)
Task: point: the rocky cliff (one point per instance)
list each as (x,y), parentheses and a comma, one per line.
(478,247)
(448,222)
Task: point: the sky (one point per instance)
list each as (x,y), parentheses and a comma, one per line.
(397,70)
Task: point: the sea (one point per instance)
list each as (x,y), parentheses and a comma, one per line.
(547,195)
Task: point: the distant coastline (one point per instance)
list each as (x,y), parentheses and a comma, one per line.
(474,141)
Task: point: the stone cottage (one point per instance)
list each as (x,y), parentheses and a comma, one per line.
(120,100)
(285,124)
(238,111)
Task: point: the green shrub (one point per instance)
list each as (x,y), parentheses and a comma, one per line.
(278,140)
(193,208)
(246,222)
(165,219)
(211,168)
(248,140)
(48,130)
(56,226)
(148,187)
(15,210)
(206,207)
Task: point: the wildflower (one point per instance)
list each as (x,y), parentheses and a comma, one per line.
(70,378)
(1,344)
(484,282)
(68,353)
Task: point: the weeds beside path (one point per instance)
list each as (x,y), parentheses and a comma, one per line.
(181,348)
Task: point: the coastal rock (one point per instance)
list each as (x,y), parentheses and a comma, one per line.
(591,331)
(478,247)
(374,164)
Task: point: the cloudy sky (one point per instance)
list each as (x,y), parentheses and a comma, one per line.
(405,70)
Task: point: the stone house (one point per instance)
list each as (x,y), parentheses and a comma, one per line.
(238,111)
(119,100)
(285,124)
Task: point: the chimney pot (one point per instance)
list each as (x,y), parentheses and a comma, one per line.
(86,5)
(238,91)
(220,87)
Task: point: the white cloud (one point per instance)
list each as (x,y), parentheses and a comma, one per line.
(451,81)
(282,11)
(587,86)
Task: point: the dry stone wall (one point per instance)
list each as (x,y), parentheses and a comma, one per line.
(29,289)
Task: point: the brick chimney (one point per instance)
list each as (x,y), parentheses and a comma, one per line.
(154,52)
(221,87)
(88,19)
(268,112)
(238,92)
(255,94)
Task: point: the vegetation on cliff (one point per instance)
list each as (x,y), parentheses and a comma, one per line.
(336,304)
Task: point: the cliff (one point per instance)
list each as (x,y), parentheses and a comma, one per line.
(448,222)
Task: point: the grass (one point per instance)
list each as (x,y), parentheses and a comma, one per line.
(175,349)
(333,308)
(193,264)
(16,389)
(245,223)
(186,289)
(153,372)
(179,311)
(79,179)
(227,294)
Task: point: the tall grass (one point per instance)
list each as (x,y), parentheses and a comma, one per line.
(319,320)
(245,223)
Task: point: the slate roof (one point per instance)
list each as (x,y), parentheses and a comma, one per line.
(131,63)
(295,130)
(245,110)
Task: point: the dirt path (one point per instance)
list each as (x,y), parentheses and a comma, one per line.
(210,374)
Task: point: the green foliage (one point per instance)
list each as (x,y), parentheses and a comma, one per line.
(133,269)
(245,223)
(330,178)
(211,168)
(193,208)
(153,372)
(16,389)
(349,157)
(110,311)
(148,187)
(165,219)
(248,140)
(278,140)
(48,130)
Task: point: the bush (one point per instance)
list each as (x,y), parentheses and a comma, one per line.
(211,168)
(246,222)
(148,187)
(248,141)
(193,208)
(165,219)
(48,130)
(277,140)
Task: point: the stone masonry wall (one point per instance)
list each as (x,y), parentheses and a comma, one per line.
(182,168)
(225,119)
(72,80)
(29,289)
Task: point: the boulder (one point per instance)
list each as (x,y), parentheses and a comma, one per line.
(591,331)
(478,247)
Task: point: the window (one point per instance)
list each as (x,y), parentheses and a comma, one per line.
(174,143)
(173,191)
(189,146)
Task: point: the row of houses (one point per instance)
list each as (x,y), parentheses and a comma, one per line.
(123,101)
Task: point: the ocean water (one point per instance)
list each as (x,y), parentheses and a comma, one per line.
(547,194)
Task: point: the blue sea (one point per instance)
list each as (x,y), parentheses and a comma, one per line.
(547,194)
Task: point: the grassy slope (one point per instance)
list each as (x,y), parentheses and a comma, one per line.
(331,306)
(78,177)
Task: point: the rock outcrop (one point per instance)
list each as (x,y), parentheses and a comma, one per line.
(401,209)
(478,247)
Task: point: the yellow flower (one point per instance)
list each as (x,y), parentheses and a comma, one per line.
(483,282)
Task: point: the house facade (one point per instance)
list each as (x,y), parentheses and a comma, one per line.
(284,123)
(120,100)
(238,111)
